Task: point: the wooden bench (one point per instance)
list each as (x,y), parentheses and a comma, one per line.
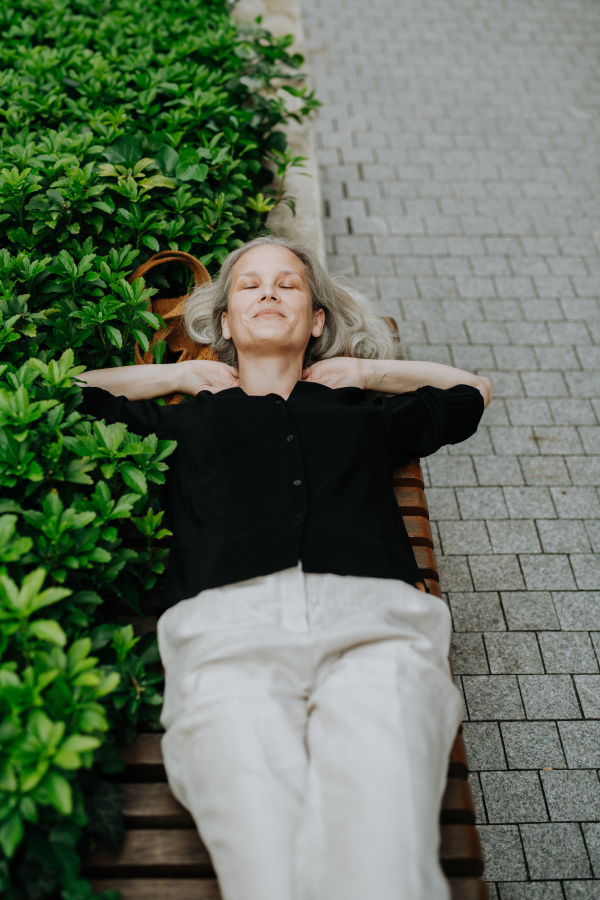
(163,858)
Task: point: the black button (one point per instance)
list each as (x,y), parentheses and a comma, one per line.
(290,437)
(297,482)
(278,402)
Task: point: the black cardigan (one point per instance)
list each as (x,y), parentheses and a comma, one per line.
(258,483)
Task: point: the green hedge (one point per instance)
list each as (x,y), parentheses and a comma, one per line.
(126,128)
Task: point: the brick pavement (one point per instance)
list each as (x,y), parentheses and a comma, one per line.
(460,159)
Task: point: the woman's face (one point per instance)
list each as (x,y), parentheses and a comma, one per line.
(270,306)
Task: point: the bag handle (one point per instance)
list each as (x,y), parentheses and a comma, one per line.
(200,274)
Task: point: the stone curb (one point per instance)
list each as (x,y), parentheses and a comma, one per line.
(283,17)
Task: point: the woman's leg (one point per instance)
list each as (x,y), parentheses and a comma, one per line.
(234,748)
(381,725)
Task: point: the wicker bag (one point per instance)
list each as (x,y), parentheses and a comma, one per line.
(171,310)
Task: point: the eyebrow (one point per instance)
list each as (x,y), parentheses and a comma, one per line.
(279,274)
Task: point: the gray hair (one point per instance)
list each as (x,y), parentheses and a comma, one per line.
(353,326)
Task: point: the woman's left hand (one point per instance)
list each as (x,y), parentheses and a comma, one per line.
(341,371)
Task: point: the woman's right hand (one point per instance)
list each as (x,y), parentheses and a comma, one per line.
(197,375)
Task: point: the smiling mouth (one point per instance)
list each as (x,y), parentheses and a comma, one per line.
(269,313)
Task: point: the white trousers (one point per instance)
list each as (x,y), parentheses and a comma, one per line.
(309,720)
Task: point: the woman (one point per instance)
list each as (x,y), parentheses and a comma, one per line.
(309,709)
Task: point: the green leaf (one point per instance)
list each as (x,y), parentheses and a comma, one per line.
(48,630)
(115,335)
(11,834)
(59,792)
(159,349)
(151,242)
(134,478)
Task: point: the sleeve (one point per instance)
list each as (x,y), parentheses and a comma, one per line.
(424,420)
(142,417)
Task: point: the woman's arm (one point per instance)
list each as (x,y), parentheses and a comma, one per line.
(145,382)
(393,376)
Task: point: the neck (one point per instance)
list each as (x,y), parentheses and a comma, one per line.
(269,374)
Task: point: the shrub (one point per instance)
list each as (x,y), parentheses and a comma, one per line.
(127,128)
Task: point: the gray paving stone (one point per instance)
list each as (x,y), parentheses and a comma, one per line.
(572,796)
(532,333)
(582,890)
(502,853)
(467,653)
(484,746)
(588,689)
(481,503)
(492,333)
(520,358)
(586,567)
(464,537)
(496,413)
(497,470)
(514,536)
(442,503)
(473,357)
(584,470)
(513,797)
(532,745)
(545,470)
(576,503)
(529,412)
(541,310)
(555,851)
(499,572)
(581,741)
(544,384)
(552,358)
(562,536)
(541,890)
(514,440)
(574,411)
(459,685)
(549,697)
(591,833)
(583,384)
(544,572)
(451,471)
(479,611)
(455,574)
(529,610)
(567,652)
(557,439)
(475,786)
(577,610)
(493,697)
(589,356)
(513,653)
(506,384)
(529,502)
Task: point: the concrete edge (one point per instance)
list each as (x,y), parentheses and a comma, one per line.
(284,17)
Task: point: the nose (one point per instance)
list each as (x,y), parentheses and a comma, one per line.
(269,293)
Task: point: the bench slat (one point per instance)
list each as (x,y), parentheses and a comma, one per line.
(208,889)
(419,531)
(410,475)
(164,852)
(143,759)
(154,806)
(163,888)
(412,501)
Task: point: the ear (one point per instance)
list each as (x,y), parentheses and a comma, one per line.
(318,323)
(225,327)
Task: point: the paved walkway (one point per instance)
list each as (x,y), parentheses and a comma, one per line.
(460,157)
